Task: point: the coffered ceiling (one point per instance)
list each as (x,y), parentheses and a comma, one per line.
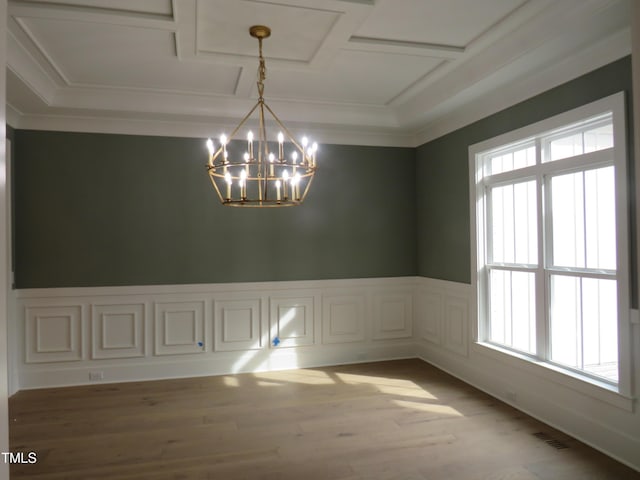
(395,72)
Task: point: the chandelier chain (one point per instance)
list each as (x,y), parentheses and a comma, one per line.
(262,72)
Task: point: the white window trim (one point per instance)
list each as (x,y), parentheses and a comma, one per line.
(585,384)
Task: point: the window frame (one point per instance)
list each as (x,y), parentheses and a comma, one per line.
(542,133)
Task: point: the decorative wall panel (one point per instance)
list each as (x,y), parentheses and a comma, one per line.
(456,324)
(431,306)
(291,320)
(237,325)
(117,331)
(180,328)
(53,334)
(392,316)
(343,318)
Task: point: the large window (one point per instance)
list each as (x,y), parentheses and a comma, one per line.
(550,227)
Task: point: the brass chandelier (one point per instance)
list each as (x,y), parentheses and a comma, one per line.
(268,172)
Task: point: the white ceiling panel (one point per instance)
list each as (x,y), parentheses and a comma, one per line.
(155,7)
(438,22)
(122,56)
(353,77)
(297,32)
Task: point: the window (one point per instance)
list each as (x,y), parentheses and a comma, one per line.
(550,227)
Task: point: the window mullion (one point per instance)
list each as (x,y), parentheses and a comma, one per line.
(544,250)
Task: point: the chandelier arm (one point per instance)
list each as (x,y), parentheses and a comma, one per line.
(221,148)
(243,121)
(264,155)
(213,182)
(306,190)
(286,130)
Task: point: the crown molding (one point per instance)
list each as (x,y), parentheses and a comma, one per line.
(500,73)
(527,86)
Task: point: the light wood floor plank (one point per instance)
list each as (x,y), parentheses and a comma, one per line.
(399,420)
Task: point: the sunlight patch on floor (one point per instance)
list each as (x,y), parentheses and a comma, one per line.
(230,381)
(429,407)
(307,377)
(415,392)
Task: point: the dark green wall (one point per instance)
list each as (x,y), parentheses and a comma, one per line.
(443,169)
(97,209)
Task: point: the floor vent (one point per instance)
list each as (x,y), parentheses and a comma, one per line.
(549,440)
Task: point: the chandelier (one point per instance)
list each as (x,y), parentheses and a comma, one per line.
(269,172)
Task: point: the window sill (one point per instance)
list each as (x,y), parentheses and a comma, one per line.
(584,385)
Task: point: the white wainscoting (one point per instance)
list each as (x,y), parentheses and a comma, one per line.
(442,314)
(445,324)
(73,336)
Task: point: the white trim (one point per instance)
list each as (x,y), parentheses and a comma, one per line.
(41,293)
(351,124)
(125,125)
(601,391)
(614,104)
(5,364)
(611,103)
(608,51)
(635,87)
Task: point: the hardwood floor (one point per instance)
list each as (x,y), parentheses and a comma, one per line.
(401,420)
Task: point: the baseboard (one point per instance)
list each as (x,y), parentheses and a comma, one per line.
(223,364)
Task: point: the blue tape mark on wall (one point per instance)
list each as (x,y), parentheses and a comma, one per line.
(200,344)
(276,341)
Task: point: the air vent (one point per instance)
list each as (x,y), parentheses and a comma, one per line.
(549,440)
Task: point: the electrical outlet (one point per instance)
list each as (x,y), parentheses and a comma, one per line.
(96,376)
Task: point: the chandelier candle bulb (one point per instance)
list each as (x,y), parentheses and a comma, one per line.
(272,157)
(281,146)
(278,190)
(227,177)
(211,149)
(223,141)
(285,180)
(243,184)
(305,142)
(296,181)
(250,143)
